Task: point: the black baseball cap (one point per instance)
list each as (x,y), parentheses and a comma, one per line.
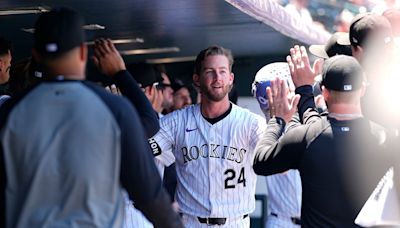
(58,31)
(342,73)
(368,27)
(332,47)
(145,74)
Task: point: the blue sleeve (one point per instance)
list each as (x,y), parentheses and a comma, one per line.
(3,182)
(131,90)
(5,109)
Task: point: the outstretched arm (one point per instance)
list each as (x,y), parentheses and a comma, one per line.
(109,62)
(273,153)
(303,78)
(139,175)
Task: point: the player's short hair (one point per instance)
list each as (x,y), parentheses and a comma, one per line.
(5,46)
(210,51)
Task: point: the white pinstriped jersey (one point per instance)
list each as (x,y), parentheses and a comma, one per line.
(133,217)
(213,161)
(284,198)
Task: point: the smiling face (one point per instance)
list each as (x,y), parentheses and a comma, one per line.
(215,78)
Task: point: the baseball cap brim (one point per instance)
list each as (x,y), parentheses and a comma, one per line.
(318,50)
(344,39)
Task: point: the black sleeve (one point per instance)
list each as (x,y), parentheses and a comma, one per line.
(139,175)
(307,110)
(170,181)
(275,153)
(131,90)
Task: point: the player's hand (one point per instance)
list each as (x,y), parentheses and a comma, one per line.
(113,89)
(157,99)
(281,105)
(107,58)
(300,68)
(175,206)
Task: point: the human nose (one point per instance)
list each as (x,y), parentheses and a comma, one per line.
(217,76)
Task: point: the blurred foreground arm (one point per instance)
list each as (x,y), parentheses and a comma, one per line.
(109,62)
(270,156)
(139,175)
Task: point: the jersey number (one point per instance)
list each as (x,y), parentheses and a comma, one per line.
(231,174)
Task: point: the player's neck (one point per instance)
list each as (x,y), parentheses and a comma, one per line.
(213,109)
(344,111)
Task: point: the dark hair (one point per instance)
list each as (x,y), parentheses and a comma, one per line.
(212,50)
(5,46)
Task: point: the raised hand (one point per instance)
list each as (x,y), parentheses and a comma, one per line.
(107,58)
(300,68)
(113,89)
(280,104)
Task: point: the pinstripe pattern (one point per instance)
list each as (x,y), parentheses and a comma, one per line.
(133,217)
(274,222)
(284,198)
(204,152)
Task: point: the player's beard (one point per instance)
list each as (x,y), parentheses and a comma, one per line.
(212,95)
(166,104)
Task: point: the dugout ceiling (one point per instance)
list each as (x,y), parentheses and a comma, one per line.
(187,25)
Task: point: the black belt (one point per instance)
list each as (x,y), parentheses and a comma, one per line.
(215,221)
(295,220)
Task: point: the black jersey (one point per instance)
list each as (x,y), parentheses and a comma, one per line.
(340,163)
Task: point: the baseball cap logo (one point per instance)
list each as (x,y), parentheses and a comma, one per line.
(51,47)
(347,87)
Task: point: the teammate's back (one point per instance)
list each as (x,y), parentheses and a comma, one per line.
(67,147)
(54,141)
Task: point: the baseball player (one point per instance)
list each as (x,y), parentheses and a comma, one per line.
(212,144)
(284,189)
(81,153)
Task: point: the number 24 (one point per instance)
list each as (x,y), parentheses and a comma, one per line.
(231,174)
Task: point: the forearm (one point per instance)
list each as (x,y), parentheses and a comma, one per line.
(294,122)
(267,145)
(307,110)
(131,90)
(276,153)
(159,211)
